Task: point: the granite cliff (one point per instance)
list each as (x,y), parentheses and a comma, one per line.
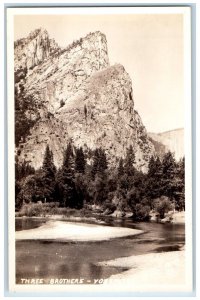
(33,50)
(172,140)
(74,94)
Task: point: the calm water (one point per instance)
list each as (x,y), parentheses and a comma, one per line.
(51,259)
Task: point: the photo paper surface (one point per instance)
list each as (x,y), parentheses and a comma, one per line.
(99,118)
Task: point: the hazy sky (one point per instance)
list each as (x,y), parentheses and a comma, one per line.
(150,47)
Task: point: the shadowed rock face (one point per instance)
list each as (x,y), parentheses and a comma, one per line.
(79,96)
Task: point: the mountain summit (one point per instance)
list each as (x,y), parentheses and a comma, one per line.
(31,51)
(74,94)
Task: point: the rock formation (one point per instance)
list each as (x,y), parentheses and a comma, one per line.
(172,140)
(74,94)
(33,50)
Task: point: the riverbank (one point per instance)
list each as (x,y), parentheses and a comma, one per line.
(158,270)
(92,214)
(58,230)
(177,217)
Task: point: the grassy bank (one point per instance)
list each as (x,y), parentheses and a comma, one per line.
(50,209)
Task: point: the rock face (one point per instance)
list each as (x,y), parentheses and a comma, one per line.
(172,140)
(53,82)
(78,96)
(31,51)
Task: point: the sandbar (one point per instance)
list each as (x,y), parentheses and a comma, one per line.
(59,230)
(153,271)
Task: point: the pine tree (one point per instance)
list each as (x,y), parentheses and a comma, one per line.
(179,182)
(129,161)
(48,172)
(99,163)
(27,191)
(168,175)
(48,165)
(102,166)
(120,170)
(100,188)
(67,180)
(80,161)
(152,167)
(68,160)
(95,163)
(154,179)
(126,172)
(22,169)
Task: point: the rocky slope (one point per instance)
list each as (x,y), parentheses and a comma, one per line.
(172,140)
(76,95)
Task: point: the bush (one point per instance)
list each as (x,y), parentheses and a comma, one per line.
(111,207)
(162,205)
(38,209)
(62,103)
(52,208)
(142,212)
(31,210)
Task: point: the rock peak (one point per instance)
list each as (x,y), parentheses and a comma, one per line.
(38,31)
(33,49)
(33,34)
(96,33)
(76,95)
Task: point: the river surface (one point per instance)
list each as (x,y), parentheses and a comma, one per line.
(72,260)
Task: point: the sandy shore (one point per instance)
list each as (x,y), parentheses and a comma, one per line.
(59,230)
(179,218)
(174,217)
(158,270)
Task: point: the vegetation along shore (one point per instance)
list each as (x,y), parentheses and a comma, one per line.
(80,189)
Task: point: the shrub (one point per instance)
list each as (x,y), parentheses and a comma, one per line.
(31,210)
(142,212)
(162,205)
(38,209)
(62,103)
(109,206)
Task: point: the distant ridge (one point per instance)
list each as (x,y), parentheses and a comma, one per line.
(172,140)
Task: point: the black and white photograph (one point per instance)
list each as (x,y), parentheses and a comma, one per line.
(100,189)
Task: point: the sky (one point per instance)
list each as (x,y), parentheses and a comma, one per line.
(149,46)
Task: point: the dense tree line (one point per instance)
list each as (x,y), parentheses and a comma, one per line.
(123,187)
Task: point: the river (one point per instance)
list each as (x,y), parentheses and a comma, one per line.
(51,259)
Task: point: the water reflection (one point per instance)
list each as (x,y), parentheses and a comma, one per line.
(28,223)
(51,259)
